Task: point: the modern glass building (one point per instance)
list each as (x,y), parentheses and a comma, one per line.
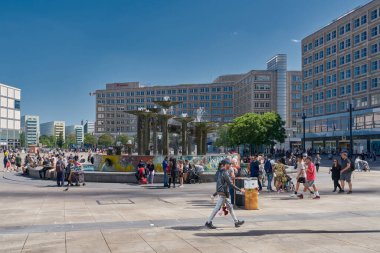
(77,130)
(30,126)
(53,128)
(10,106)
(341,66)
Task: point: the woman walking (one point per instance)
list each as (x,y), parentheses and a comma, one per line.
(335,174)
(150,167)
(173,172)
(280,179)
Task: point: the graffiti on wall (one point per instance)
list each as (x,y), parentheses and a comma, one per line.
(128,163)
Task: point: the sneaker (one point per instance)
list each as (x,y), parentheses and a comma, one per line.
(317,197)
(300,196)
(210,226)
(349,192)
(181,186)
(334,191)
(239,223)
(212,198)
(341,191)
(293,195)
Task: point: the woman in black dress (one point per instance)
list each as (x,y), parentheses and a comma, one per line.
(335,174)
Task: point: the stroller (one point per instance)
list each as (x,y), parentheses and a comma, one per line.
(289,185)
(362,165)
(195,174)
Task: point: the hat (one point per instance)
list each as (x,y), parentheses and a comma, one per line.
(344,152)
(304,154)
(225,161)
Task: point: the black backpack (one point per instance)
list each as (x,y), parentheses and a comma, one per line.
(352,166)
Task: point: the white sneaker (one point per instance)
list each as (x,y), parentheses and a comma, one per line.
(293,195)
(311,195)
(181,186)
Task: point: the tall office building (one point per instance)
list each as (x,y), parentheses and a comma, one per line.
(30,126)
(77,130)
(10,116)
(227,97)
(88,127)
(53,128)
(340,66)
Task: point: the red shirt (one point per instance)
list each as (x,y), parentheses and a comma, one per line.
(310,172)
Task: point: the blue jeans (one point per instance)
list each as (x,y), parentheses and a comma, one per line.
(60,178)
(232,195)
(270,178)
(166,179)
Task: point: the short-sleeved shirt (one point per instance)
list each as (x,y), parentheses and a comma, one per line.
(301,169)
(344,163)
(310,172)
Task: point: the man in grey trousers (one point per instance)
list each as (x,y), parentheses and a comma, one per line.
(223,181)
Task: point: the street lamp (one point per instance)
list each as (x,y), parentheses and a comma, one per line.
(303,128)
(351,140)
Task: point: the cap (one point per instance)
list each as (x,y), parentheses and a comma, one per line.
(344,152)
(304,155)
(225,161)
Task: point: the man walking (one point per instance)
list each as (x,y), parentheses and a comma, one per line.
(255,169)
(269,172)
(60,168)
(346,172)
(222,183)
(310,179)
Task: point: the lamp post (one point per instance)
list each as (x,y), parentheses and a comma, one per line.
(351,140)
(303,128)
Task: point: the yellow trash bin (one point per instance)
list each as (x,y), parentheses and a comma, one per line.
(251,196)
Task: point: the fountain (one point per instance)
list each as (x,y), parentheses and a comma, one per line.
(184,119)
(202,128)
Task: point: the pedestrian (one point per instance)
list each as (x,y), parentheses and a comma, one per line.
(18,161)
(317,161)
(346,171)
(150,167)
(280,178)
(222,183)
(60,168)
(255,169)
(310,179)
(269,172)
(301,174)
(164,168)
(335,174)
(173,172)
(180,172)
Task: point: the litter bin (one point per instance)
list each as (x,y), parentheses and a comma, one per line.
(251,196)
(239,197)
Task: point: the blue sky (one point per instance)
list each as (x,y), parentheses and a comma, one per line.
(59,51)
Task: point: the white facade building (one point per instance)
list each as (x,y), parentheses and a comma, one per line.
(53,128)
(78,131)
(10,116)
(30,125)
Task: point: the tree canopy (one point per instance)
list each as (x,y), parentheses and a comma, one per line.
(252,128)
(90,139)
(123,139)
(106,140)
(60,140)
(48,141)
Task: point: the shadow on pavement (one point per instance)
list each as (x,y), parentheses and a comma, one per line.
(189,228)
(283,232)
(200,203)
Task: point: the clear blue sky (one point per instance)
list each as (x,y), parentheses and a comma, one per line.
(58,51)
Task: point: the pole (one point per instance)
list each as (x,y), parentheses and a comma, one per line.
(304,135)
(351,140)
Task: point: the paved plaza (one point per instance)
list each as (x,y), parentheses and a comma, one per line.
(37,216)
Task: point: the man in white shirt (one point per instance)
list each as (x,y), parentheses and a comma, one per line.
(301,175)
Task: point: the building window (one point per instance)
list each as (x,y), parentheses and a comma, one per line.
(374,83)
(374,31)
(374,14)
(333,34)
(356,55)
(348,89)
(374,66)
(356,87)
(364,85)
(341,30)
(348,58)
(363,19)
(374,49)
(364,69)
(356,23)
(363,36)
(348,27)
(356,39)
(364,52)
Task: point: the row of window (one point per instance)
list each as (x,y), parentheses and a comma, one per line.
(262,96)
(163,92)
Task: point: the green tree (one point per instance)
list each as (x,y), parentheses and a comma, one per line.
(60,140)
(48,141)
(247,129)
(70,140)
(123,138)
(90,139)
(22,139)
(274,128)
(224,137)
(106,140)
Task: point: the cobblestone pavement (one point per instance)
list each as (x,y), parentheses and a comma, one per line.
(37,216)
